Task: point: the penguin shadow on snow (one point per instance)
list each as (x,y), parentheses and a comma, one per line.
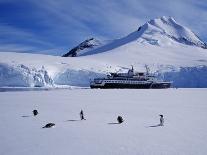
(35,113)
(153,126)
(113,123)
(73,120)
(119,121)
(82,117)
(160,124)
(26,116)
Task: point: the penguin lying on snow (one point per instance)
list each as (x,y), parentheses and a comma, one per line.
(49,125)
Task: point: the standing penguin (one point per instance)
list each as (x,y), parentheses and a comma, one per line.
(161,120)
(120,119)
(35,112)
(81,115)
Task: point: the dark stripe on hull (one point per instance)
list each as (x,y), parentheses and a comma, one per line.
(160,85)
(133,86)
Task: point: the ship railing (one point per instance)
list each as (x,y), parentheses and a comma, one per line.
(125,81)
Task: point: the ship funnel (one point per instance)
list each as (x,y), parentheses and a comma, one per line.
(131,72)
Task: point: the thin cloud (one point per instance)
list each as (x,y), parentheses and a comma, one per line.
(10,34)
(66,23)
(20,48)
(117,18)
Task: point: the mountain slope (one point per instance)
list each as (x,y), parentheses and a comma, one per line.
(167,27)
(164,31)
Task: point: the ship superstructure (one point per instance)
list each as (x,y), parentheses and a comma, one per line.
(130,80)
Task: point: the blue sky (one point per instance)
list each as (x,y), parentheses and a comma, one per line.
(54,26)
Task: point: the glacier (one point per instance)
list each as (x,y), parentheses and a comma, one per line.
(23,76)
(171,51)
(55,71)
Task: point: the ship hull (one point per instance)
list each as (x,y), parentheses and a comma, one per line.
(161,85)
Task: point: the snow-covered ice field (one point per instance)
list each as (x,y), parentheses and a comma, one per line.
(184,131)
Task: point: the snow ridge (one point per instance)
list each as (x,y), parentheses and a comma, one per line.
(167,26)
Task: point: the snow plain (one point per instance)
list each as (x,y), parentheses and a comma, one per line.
(184,131)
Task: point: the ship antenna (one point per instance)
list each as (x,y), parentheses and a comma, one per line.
(132,68)
(147,69)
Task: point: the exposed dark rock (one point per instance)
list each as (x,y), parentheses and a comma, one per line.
(87,44)
(139,28)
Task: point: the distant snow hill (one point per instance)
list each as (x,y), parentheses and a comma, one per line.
(172,52)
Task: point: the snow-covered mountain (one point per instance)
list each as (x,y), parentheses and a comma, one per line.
(164,31)
(171,51)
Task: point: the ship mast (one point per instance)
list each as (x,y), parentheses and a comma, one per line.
(132,68)
(147,69)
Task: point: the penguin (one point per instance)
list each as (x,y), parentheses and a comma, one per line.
(120,119)
(161,120)
(35,112)
(49,125)
(81,115)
